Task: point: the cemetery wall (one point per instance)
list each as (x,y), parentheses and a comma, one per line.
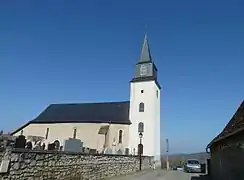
(33,164)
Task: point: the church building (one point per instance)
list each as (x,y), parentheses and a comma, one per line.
(107,125)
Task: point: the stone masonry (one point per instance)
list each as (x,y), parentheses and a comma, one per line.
(40,165)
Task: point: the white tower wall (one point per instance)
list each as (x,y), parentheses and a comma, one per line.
(150,117)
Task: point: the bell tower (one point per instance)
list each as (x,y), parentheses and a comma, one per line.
(145,104)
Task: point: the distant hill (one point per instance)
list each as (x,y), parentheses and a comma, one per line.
(179,159)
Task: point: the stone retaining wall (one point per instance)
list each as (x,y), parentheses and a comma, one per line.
(28,165)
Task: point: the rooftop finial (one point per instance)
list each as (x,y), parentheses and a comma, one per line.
(145,35)
(145,28)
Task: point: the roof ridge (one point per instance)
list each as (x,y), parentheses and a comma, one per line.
(108,102)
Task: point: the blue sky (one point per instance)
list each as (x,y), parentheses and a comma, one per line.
(80,51)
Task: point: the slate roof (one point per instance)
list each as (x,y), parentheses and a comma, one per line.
(235,125)
(146,57)
(145,52)
(105,112)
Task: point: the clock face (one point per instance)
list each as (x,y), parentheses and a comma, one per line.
(143,70)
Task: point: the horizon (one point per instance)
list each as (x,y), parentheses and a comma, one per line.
(86,52)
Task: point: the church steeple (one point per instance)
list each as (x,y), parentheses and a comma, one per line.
(145,104)
(145,68)
(145,52)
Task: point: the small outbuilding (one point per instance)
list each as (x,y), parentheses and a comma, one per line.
(227,150)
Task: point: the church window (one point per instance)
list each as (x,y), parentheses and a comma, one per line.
(142,91)
(157,93)
(21,132)
(141,107)
(47,132)
(141,127)
(74,133)
(120,136)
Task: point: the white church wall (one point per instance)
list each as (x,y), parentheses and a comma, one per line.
(86,132)
(114,136)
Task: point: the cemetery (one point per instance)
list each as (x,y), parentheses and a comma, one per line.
(22,159)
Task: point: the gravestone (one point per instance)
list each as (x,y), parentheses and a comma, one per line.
(127,151)
(56,144)
(29,145)
(108,151)
(51,146)
(119,152)
(43,146)
(20,142)
(73,145)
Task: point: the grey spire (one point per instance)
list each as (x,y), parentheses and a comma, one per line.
(145,53)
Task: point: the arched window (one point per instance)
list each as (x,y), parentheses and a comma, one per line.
(141,107)
(120,136)
(140,127)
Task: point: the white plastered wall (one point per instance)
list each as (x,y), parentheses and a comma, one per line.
(150,117)
(86,132)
